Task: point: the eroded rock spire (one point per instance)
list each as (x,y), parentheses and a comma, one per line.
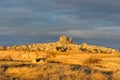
(64,39)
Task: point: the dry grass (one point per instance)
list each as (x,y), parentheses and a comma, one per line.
(63,66)
(49,71)
(23,72)
(91,60)
(98,76)
(116,75)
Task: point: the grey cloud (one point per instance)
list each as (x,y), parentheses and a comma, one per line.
(50,15)
(97,20)
(94,9)
(96,33)
(22,32)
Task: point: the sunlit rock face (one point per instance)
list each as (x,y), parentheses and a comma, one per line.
(64,39)
(42,50)
(63,44)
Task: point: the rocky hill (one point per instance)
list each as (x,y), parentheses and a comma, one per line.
(62,60)
(64,44)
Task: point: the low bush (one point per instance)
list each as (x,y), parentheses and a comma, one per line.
(116,75)
(91,60)
(98,76)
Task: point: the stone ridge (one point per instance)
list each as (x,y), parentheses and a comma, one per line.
(62,45)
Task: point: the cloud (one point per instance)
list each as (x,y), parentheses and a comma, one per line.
(107,32)
(89,18)
(96,20)
(109,28)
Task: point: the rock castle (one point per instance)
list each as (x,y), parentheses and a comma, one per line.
(62,45)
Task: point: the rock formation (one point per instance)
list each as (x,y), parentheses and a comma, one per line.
(62,45)
(42,50)
(64,39)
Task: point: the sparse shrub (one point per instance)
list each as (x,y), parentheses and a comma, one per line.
(74,76)
(76,67)
(87,70)
(1,70)
(98,76)
(39,60)
(51,71)
(116,75)
(81,76)
(91,60)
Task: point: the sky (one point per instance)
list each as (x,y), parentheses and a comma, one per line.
(32,21)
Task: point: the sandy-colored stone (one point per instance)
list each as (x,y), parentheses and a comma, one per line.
(33,51)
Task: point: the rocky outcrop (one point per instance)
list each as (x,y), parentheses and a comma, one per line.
(64,39)
(37,53)
(85,47)
(64,44)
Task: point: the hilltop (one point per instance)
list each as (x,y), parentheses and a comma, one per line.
(60,60)
(64,44)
